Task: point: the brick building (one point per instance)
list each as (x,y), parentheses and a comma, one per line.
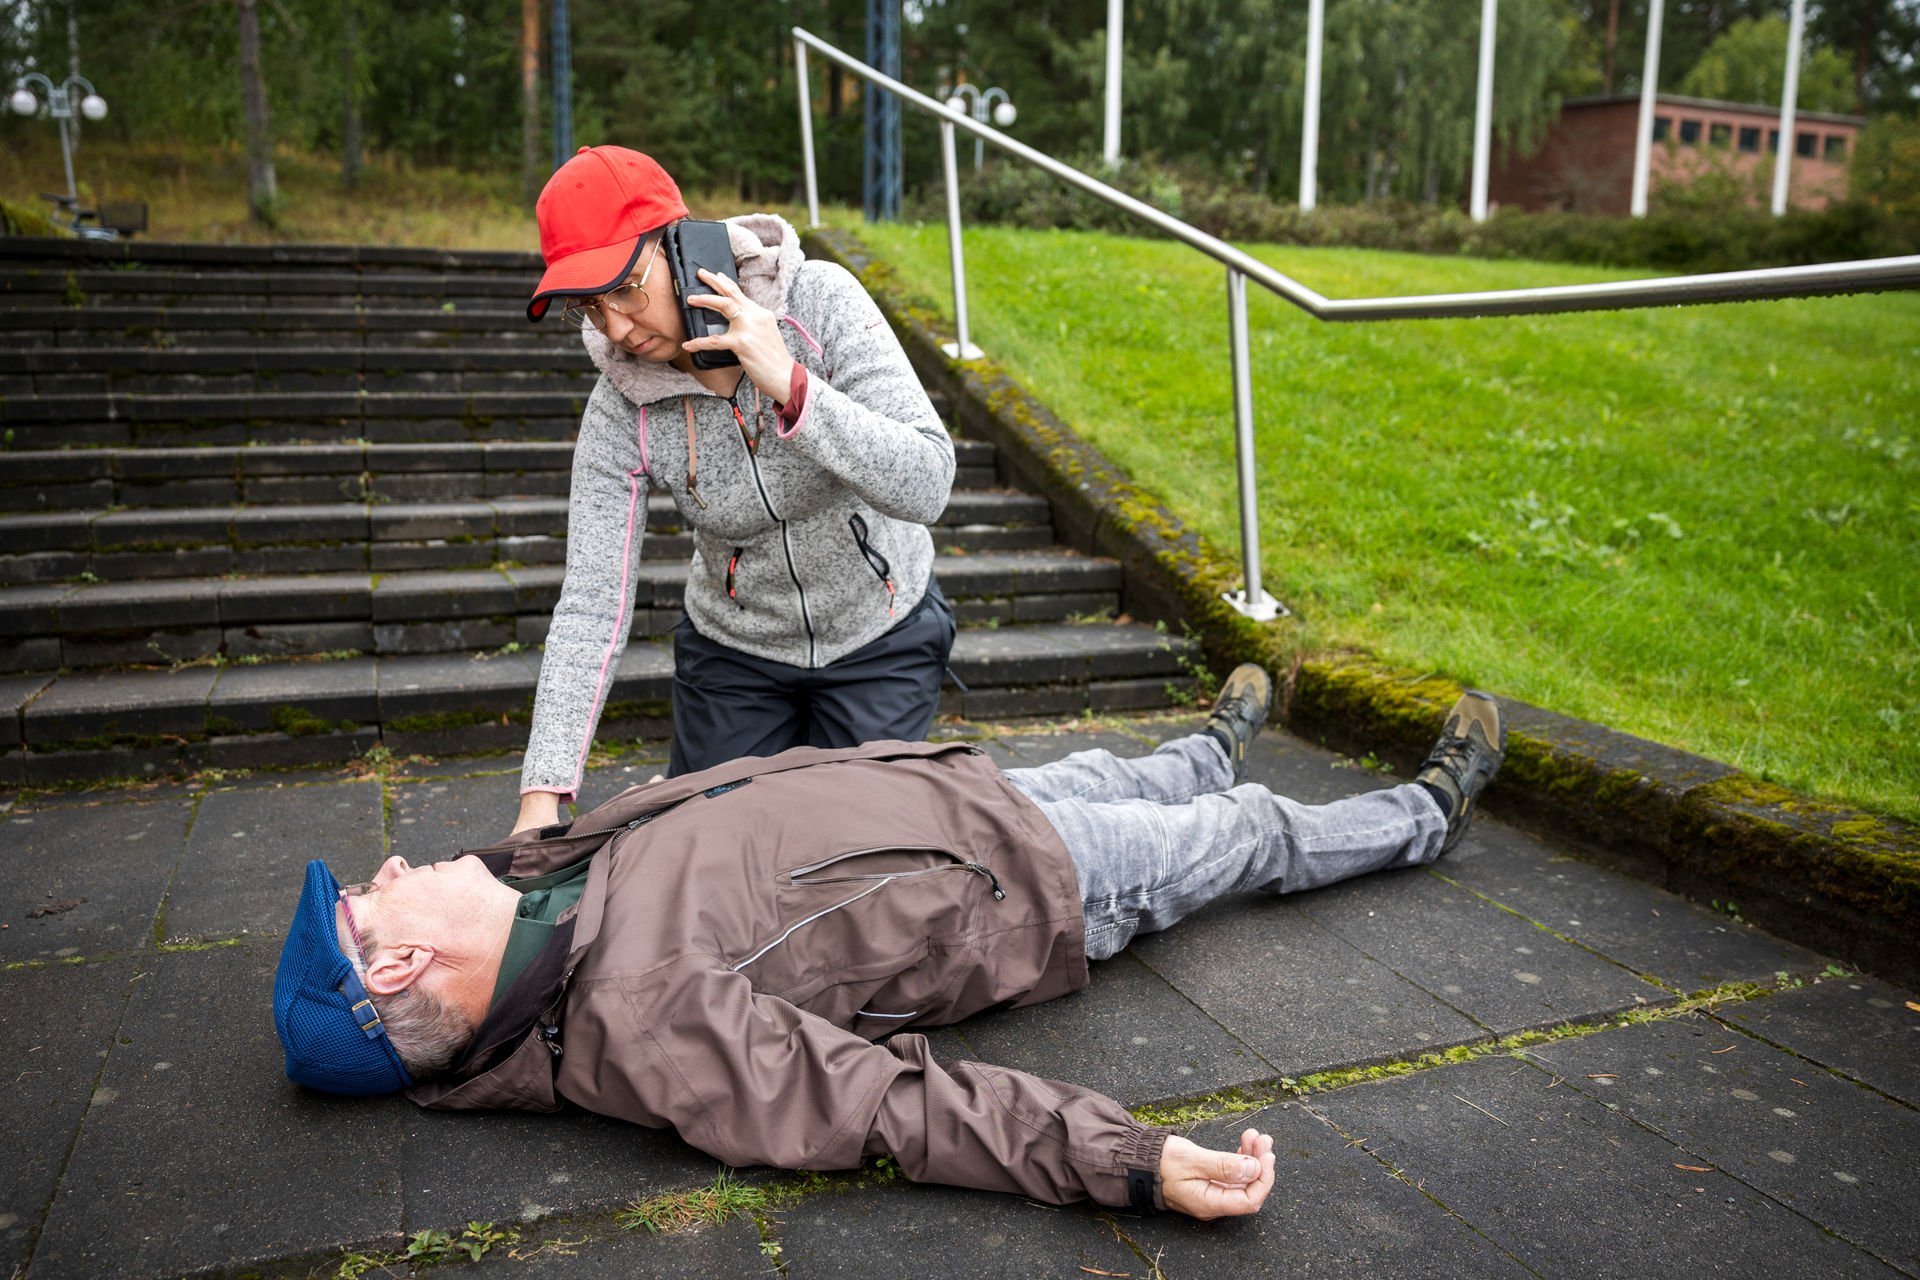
(1585,163)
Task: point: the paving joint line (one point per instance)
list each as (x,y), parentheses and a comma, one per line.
(1235,1100)
(1839,1073)
(79,1130)
(1400,1175)
(1655,1131)
(1598,954)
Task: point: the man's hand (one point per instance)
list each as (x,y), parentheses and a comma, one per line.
(1217,1184)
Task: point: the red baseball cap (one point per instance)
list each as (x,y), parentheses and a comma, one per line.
(593,213)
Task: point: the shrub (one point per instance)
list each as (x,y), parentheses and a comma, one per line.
(1708,227)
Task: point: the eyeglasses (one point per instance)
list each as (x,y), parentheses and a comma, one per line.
(630,299)
(353,931)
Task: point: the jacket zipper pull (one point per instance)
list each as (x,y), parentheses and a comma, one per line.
(550,1036)
(889,597)
(753,440)
(999,894)
(733,564)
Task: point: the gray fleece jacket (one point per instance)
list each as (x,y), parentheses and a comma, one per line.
(809,542)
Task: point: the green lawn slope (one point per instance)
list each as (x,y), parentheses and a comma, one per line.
(1700,525)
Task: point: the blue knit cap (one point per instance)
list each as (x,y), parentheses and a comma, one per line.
(333,1037)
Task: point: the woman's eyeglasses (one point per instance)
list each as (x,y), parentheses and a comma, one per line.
(630,299)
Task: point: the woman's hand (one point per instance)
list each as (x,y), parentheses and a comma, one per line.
(537,809)
(1217,1184)
(753,335)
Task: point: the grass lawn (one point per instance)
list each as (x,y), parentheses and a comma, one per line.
(1699,525)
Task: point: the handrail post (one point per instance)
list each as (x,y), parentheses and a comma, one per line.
(961,348)
(806,131)
(1253,601)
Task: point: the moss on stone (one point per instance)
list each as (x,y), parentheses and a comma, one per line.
(300,722)
(437,721)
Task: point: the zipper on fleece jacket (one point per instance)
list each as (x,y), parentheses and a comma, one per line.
(786,542)
(875,561)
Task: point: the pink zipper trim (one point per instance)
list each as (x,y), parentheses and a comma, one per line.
(802,331)
(620,619)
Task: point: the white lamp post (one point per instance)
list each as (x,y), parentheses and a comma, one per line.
(980,103)
(60,106)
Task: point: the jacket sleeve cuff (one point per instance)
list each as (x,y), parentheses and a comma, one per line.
(794,411)
(1141,1150)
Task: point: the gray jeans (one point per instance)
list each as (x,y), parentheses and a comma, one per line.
(1158,836)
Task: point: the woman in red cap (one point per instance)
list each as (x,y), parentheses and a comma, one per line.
(808,475)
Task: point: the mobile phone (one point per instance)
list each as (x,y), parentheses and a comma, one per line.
(691,247)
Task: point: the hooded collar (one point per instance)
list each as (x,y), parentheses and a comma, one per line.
(767,251)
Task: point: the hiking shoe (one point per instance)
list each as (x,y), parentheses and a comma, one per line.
(1238,714)
(1464,761)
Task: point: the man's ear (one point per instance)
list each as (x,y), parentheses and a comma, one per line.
(394,969)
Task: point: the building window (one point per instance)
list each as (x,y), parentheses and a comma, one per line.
(1773,142)
(1835,148)
(1720,135)
(1662,128)
(1806,144)
(1750,137)
(1690,133)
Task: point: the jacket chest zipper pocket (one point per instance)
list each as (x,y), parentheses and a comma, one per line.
(875,561)
(874,882)
(733,569)
(810,874)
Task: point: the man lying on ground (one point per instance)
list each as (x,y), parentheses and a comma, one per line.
(741,953)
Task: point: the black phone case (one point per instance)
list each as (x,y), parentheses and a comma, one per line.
(691,246)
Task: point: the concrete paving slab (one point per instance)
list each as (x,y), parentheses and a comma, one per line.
(1334,1212)
(516,1167)
(1498,1143)
(196,1152)
(248,852)
(1857,1026)
(914,1232)
(95,873)
(1645,928)
(1294,992)
(1496,968)
(1128,1034)
(56,1025)
(1831,1151)
(434,820)
(602,1253)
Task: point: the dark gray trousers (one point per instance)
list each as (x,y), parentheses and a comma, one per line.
(728,704)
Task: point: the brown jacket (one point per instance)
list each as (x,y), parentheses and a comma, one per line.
(748,932)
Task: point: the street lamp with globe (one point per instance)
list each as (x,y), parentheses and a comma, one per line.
(60,105)
(979,103)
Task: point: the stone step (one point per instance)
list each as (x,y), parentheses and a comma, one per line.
(56,729)
(99,371)
(281,535)
(73,480)
(148,255)
(87,625)
(83,286)
(260,326)
(61,422)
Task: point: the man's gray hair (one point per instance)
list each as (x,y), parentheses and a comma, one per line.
(426,1031)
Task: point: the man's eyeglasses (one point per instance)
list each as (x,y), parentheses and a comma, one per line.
(353,931)
(630,299)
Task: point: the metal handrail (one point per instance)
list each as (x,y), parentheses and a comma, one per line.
(1869,275)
